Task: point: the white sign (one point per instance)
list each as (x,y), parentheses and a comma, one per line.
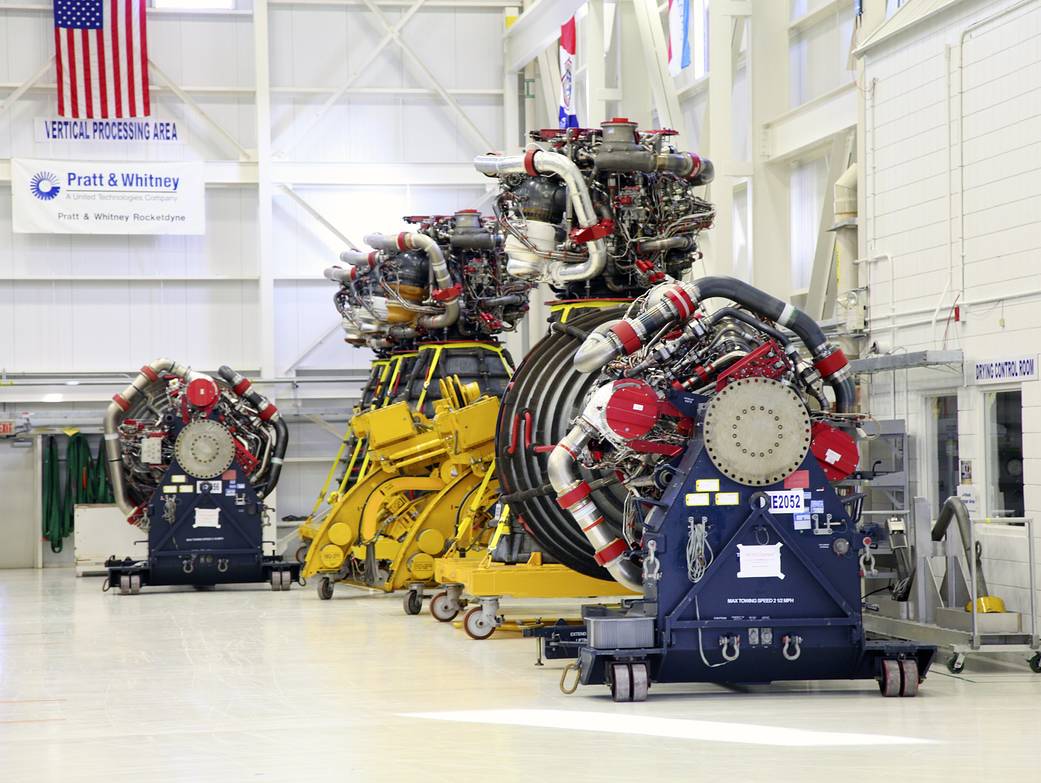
(759,561)
(789,501)
(97,197)
(1022,368)
(138,130)
(207,517)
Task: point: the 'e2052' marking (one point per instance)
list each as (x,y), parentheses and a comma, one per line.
(790,501)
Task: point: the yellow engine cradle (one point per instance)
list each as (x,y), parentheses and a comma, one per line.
(477,575)
(386,531)
(387,372)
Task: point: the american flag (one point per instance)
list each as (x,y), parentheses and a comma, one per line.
(101,52)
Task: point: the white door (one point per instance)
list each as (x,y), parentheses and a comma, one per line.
(18,524)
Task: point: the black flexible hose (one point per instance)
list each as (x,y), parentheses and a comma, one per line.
(773,308)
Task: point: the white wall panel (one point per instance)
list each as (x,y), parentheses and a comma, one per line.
(53,322)
(914,212)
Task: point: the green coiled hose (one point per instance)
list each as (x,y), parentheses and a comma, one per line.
(86,481)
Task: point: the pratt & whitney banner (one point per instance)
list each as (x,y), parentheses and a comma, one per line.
(97,197)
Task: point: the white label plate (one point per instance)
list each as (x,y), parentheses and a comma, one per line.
(789,501)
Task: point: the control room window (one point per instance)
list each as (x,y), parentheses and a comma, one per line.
(1004,437)
(945,409)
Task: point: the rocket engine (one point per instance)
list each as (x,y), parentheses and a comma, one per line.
(171,411)
(600,212)
(672,371)
(601,215)
(446,280)
(191,458)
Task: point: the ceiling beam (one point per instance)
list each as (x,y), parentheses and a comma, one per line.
(535,30)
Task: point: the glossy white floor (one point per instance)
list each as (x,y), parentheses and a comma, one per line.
(246,684)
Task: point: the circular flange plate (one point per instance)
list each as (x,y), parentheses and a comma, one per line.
(757,431)
(204,448)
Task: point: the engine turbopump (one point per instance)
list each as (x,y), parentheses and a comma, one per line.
(605,211)
(191,457)
(446,280)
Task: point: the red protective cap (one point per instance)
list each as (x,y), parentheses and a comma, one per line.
(632,409)
(835,450)
(202,393)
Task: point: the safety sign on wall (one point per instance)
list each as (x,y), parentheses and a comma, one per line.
(1010,370)
(98,197)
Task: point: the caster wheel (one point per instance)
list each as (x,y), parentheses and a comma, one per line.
(442,608)
(124,585)
(276,580)
(325,588)
(889,679)
(476,625)
(909,679)
(956,664)
(1035,663)
(301,553)
(621,683)
(286,580)
(413,603)
(135,584)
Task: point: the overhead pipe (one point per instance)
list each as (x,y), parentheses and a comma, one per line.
(573,495)
(446,292)
(681,300)
(537,161)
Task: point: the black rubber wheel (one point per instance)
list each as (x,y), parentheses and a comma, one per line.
(325,588)
(1035,663)
(443,610)
(954,666)
(547,386)
(413,603)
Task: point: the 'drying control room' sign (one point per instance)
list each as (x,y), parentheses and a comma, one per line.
(97,197)
(1011,370)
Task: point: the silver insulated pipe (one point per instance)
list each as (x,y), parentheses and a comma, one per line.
(573,495)
(446,293)
(121,403)
(537,161)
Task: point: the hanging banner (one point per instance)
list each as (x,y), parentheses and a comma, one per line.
(96,197)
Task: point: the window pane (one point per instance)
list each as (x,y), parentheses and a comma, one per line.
(807,184)
(946,410)
(1004,412)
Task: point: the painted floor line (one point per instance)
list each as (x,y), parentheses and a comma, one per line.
(675,728)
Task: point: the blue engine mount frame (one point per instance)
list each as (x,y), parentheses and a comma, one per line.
(203,532)
(778,596)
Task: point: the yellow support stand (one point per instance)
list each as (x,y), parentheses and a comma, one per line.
(486,581)
(421,496)
(384,375)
